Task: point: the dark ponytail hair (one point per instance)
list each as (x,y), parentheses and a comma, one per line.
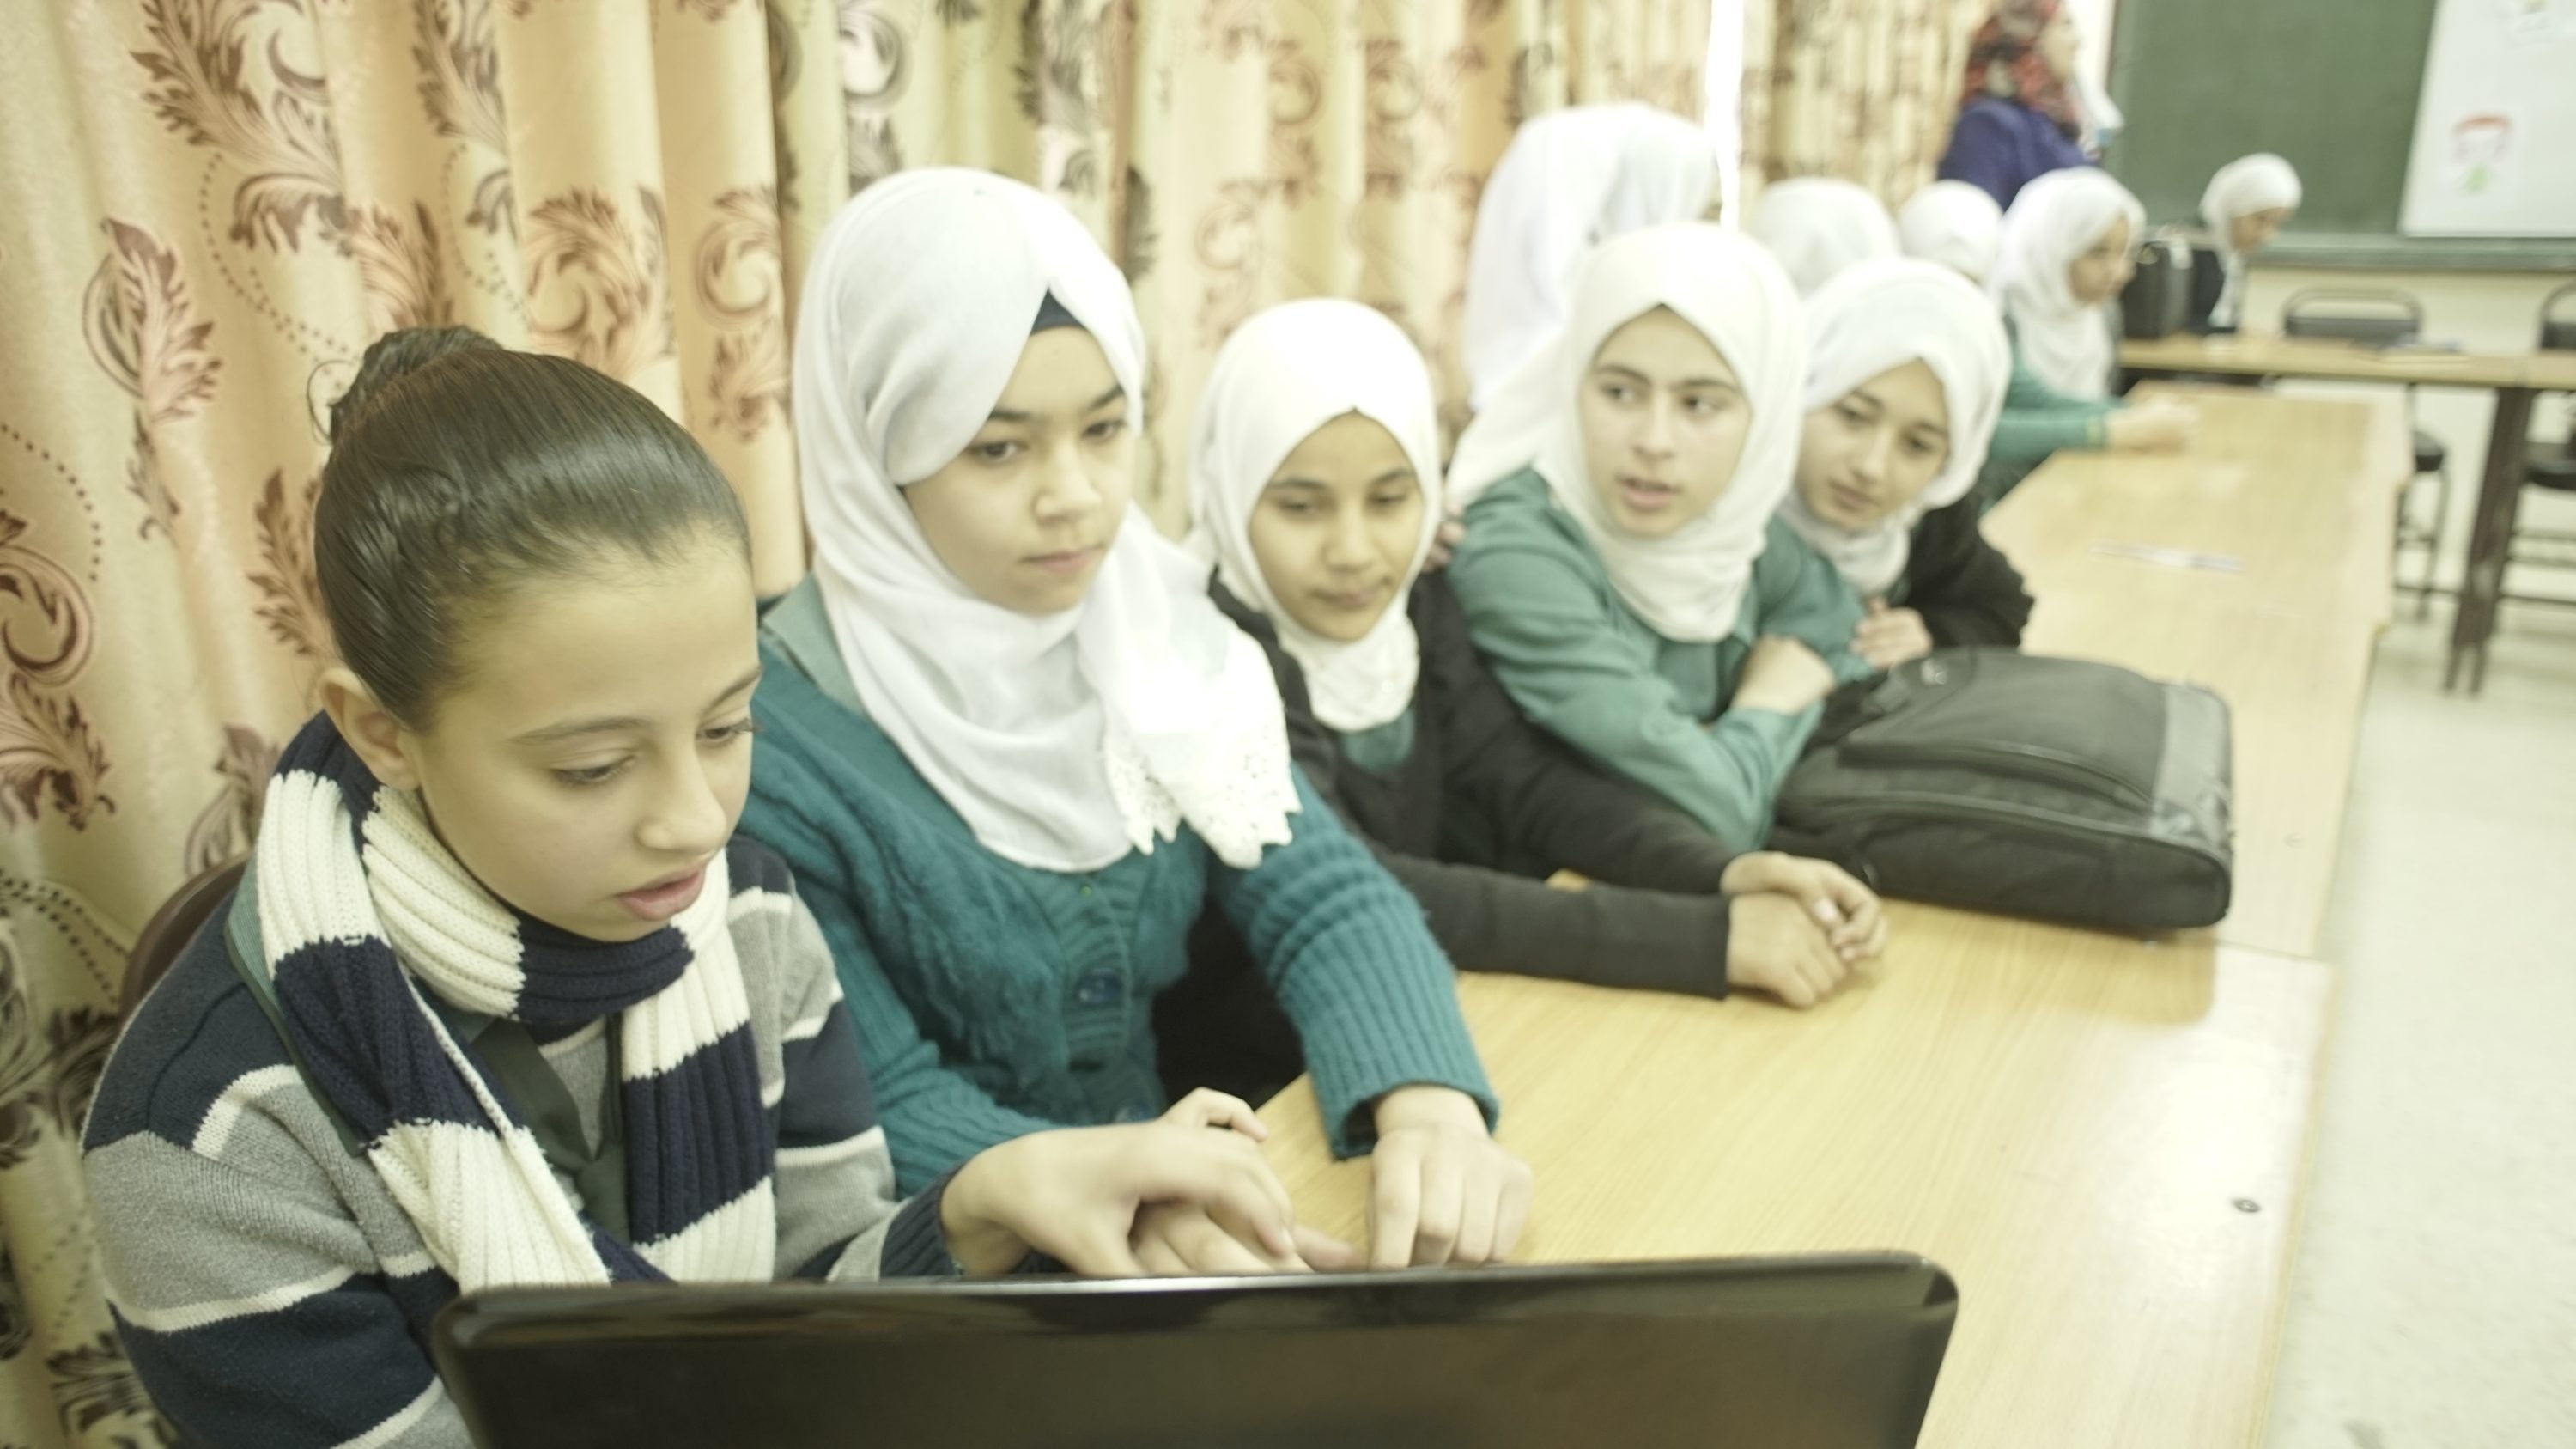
(460,470)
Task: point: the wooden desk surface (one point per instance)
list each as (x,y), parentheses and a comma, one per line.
(2301,493)
(2266,355)
(2102,1140)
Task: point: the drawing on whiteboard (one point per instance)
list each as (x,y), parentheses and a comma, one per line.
(2481,152)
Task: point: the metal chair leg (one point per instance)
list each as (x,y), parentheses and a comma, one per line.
(2433,548)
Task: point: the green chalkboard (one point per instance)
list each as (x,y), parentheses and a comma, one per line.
(2331,84)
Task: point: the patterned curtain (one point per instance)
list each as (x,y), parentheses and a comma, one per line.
(1232,154)
(217,203)
(1860,89)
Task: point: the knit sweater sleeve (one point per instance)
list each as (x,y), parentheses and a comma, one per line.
(2038,420)
(936,1118)
(1962,585)
(1538,608)
(1345,948)
(838,1215)
(244,1289)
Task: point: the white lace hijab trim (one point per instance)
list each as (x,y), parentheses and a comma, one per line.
(1065,741)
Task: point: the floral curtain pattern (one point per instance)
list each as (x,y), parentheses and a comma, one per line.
(1864,90)
(1232,154)
(219,202)
(222,201)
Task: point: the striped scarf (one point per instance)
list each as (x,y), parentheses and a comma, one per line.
(360,906)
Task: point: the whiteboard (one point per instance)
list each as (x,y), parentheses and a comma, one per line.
(2495,132)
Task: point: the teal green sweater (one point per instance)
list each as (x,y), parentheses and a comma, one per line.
(994,1000)
(2037,421)
(1583,666)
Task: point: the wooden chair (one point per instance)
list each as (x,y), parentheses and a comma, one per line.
(171,928)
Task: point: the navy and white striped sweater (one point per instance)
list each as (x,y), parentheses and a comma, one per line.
(268,1288)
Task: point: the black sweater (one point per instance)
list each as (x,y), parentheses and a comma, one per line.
(1963,586)
(1485,794)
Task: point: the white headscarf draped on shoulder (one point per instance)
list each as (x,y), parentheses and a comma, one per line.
(1817,226)
(1570,179)
(1281,376)
(2242,187)
(1874,318)
(2056,219)
(1688,585)
(1065,741)
(1954,223)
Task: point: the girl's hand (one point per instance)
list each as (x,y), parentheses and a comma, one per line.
(2159,425)
(1781,674)
(1889,637)
(1774,945)
(1853,920)
(1443,1191)
(1080,1195)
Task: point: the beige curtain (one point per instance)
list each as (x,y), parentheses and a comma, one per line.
(215,204)
(1860,89)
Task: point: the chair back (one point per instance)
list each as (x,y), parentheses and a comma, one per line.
(170,930)
(2373,316)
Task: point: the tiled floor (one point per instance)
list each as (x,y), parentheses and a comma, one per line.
(2433,1304)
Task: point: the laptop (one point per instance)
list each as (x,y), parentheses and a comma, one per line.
(1832,1352)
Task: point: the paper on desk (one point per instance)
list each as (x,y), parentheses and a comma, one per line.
(2172,558)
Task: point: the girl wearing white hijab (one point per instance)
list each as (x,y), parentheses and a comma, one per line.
(1570,180)
(1014,752)
(2068,249)
(1315,482)
(1818,225)
(1954,224)
(2245,207)
(1906,368)
(1622,571)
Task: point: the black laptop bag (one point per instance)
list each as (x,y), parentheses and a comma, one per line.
(2000,781)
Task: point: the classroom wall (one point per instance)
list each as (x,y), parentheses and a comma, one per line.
(2479,311)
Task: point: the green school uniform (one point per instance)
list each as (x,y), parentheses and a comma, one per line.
(1584,666)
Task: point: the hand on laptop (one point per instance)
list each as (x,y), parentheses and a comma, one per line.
(1130,1200)
(1442,1190)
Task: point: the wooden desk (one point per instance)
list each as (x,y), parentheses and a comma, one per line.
(2102,1140)
(2255,354)
(2515,379)
(2300,491)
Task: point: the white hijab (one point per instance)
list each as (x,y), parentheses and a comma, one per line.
(2242,187)
(1817,226)
(1954,223)
(1065,741)
(1690,584)
(1282,375)
(1876,317)
(1570,180)
(2057,218)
